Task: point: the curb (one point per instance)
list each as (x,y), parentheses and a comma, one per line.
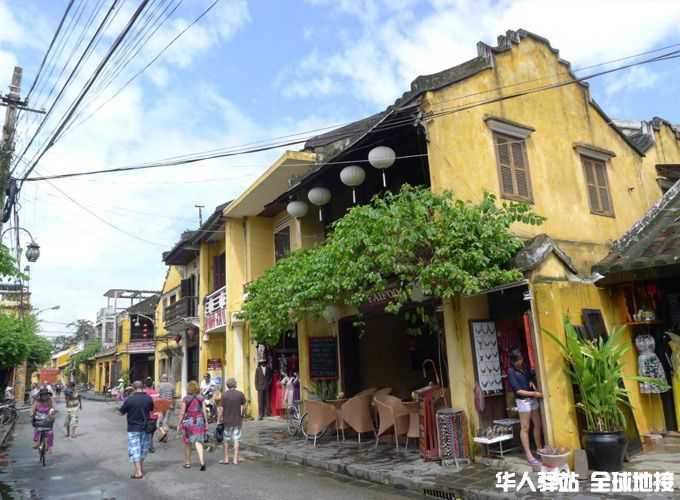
(5,432)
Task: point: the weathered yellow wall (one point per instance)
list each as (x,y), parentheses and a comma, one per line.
(462,155)
(552,301)
(172,281)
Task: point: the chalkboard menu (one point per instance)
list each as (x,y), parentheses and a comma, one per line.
(323,360)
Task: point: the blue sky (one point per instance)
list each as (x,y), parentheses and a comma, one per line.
(250,71)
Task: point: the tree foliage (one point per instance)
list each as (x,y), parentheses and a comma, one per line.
(447,246)
(19,341)
(8,264)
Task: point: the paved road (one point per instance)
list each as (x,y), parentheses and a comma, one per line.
(94,465)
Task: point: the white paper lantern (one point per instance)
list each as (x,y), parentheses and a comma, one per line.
(297,209)
(319,196)
(352,176)
(381,158)
(332,313)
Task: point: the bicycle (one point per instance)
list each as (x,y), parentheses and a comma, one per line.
(44,428)
(8,412)
(298,421)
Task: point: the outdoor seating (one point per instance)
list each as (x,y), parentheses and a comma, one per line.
(382,392)
(369,391)
(321,415)
(393,415)
(340,424)
(356,413)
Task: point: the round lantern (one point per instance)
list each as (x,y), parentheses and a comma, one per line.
(381,158)
(32,251)
(352,176)
(177,338)
(297,209)
(319,196)
(332,313)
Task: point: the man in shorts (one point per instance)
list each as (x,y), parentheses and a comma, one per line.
(230,413)
(137,408)
(74,406)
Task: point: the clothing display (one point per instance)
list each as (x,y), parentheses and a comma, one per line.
(263,383)
(649,364)
(276,394)
(287,392)
(452,430)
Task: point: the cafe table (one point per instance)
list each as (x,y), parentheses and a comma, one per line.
(338,419)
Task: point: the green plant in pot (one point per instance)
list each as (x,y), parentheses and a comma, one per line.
(595,367)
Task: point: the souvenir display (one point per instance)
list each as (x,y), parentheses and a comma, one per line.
(494,431)
(487,358)
(452,429)
(649,364)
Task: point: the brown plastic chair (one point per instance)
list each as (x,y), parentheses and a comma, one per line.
(393,415)
(382,392)
(414,425)
(356,413)
(369,391)
(320,416)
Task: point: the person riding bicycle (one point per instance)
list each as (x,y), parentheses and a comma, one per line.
(42,416)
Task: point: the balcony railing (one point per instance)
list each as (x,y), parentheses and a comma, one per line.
(183,308)
(216,301)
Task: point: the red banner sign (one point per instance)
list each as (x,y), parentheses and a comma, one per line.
(216,320)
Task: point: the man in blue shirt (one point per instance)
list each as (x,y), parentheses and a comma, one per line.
(137,408)
(523,383)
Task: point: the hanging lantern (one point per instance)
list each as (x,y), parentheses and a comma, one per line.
(32,251)
(382,158)
(332,313)
(297,209)
(191,333)
(177,338)
(319,196)
(352,176)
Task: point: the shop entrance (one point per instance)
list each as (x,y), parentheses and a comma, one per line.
(283,359)
(385,355)
(141,366)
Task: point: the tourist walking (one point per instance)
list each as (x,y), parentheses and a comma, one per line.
(193,418)
(166,391)
(230,414)
(137,408)
(74,406)
(523,383)
(153,419)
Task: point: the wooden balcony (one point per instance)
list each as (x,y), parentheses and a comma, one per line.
(183,308)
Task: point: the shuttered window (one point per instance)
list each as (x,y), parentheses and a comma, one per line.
(597,186)
(513,168)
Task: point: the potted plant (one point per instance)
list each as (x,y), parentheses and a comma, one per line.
(595,367)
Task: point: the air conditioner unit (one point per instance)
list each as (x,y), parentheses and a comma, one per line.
(237,319)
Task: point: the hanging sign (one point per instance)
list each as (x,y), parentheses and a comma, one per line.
(323,358)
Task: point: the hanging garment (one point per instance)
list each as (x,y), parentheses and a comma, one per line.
(649,364)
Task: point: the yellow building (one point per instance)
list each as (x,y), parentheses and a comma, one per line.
(486,124)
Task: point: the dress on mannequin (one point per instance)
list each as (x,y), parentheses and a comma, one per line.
(296,388)
(649,364)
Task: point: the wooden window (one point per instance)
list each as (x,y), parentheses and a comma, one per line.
(219,271)
(598,188)
(513,168)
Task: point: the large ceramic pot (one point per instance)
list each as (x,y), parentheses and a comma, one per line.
(605,450)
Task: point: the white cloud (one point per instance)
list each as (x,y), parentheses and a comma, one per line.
(394,46)
(636,78)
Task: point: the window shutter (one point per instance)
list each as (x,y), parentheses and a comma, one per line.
(591,185)
(505,166)
(521,173)
(601,177)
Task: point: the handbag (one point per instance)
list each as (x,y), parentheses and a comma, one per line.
(219,433)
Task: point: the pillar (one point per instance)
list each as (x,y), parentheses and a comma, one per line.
(185,364)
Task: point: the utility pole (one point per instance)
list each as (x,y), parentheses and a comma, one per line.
(200,214)
(13,102)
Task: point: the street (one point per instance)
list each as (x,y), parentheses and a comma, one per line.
(95,465)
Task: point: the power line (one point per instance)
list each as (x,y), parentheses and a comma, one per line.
(192,158)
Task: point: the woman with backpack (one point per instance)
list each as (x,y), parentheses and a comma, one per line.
(193,418)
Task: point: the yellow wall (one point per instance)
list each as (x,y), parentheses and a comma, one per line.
(462,156)
(216,345)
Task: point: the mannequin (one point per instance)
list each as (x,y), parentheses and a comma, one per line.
(283,364)
(287,391)
(263,382)
(649,364)
(296,387)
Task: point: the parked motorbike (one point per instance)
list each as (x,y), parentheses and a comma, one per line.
(208,393)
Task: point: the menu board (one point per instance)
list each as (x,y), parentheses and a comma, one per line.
(323,360)
(486,357)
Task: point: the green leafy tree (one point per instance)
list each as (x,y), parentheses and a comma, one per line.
(8,264)
(447,246)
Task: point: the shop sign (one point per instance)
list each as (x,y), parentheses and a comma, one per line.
(140,346)
(214,364)
(216,320)
(379,300)
(323,359)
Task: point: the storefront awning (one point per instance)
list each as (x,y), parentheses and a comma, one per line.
(498,288)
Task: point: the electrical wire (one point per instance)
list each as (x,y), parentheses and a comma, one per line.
(441,112)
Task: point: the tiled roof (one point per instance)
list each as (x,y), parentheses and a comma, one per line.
(651,248)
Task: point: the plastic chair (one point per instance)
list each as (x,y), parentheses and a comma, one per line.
(368,391)
(321,415)
(356,413)
(382,392)
(393,415)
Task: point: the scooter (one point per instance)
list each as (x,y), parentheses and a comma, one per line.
(210,403)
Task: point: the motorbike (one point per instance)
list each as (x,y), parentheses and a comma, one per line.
(208,393)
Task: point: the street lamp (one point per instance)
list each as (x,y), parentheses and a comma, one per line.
(32,249)
(138,324)
(53,308)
